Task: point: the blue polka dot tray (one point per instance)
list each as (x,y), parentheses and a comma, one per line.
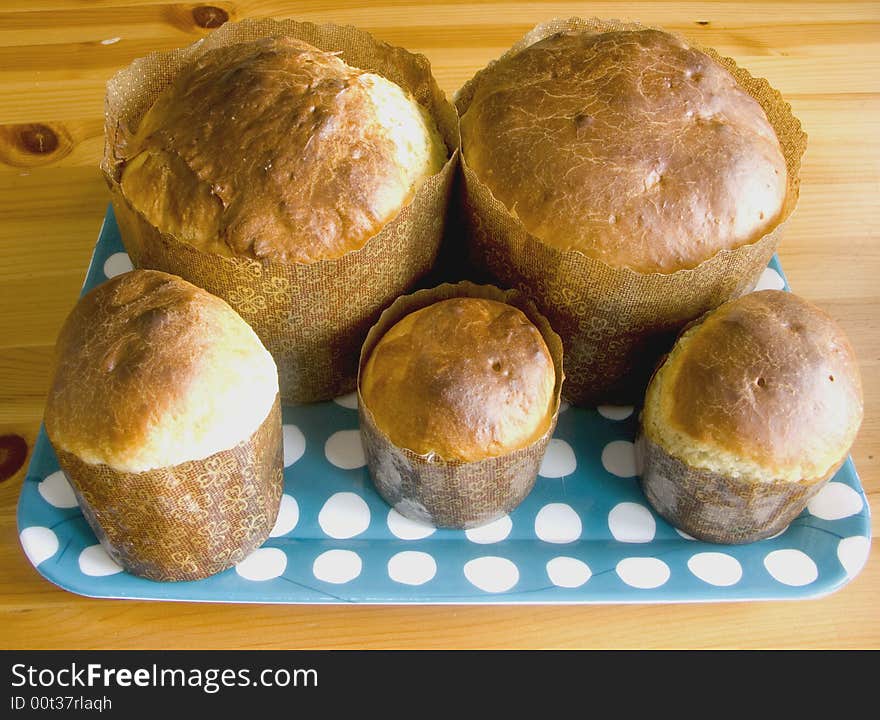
(585,534)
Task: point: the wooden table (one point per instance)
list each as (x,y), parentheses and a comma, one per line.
(55,56)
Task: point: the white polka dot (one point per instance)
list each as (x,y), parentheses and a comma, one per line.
(406,529)
(337,566)
(344,515)
(349,401)
(632,523)
(294,444)
(568,572)
(491,574)
(615,412)
(288,516)
(791,567)
(558,523)
(684,534)
(770,280)
(835,501)
(492,532)
(559,460)
(619,458)
(117,264)
(853,553)
(56,490)
(262,564)
(716,568)
(344,449)
(644,573)
(95,562)
(412,568)
(39,544)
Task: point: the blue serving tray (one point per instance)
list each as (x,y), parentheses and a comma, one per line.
(585,534)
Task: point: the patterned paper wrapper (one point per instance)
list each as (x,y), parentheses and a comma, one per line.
(716,508)
(447,493)
(312,317)
(186,521)
(615,322)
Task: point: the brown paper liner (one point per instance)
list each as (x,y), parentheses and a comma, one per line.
(311,317)
(450,493)
(615,322)
(717,508)
(186,521)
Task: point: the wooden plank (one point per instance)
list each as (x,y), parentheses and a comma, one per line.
(386,11)
(34,311)
(25,374)
(841,620)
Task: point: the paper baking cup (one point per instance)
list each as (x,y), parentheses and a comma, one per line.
(615,322)
(311,317)
(186,521)
(716,508)
(454,493)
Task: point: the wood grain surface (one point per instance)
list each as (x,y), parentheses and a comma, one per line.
(55,57)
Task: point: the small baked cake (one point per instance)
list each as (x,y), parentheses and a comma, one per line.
(274,149)
(164,414)
(752,412)
(459,391)
(463,379)
(629,146)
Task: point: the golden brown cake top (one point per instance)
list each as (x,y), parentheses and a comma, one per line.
(464,378)
(275,149)
(766,387)
(629,146)
(151,371)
